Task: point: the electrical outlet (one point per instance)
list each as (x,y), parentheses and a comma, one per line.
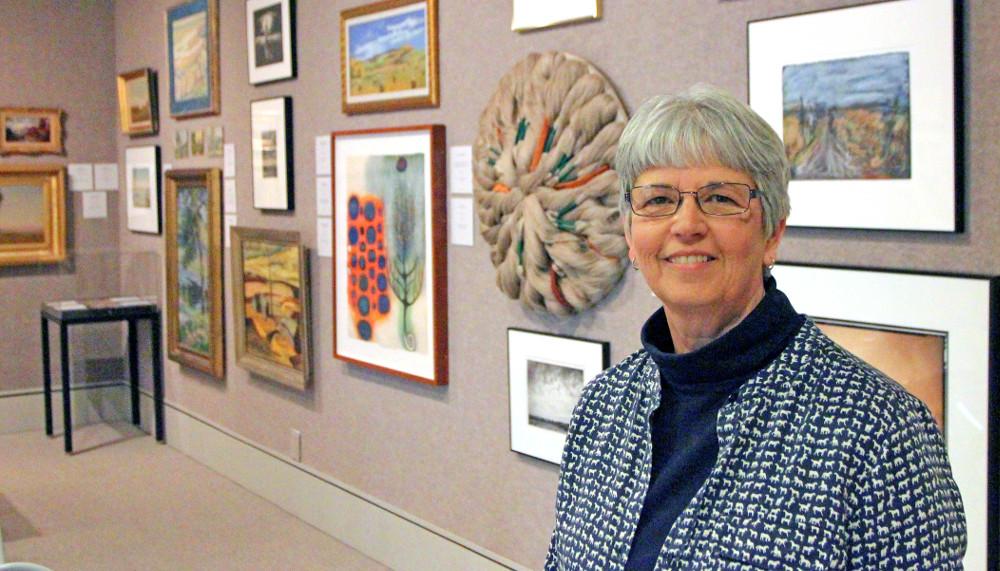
(295,445)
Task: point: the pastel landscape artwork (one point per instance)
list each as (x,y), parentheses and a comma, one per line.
(140,187)
(386,251)
(272,291)
(190,57)
(848,119)
(389,54)
(22,214)
(193,277)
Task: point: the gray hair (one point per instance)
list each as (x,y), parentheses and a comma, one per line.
(704,126)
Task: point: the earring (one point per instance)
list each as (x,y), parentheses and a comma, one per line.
(770,265)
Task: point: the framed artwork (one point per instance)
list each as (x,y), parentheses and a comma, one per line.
(142,186)
(869,112)
(193,58)
(547,373)
(137,108)
(194,269)
(31,131)
(389,251)
(214,142)
(938,336)
(271,153)
(32,214)
(388,56)
(271,304)
(530,15)
(270,40)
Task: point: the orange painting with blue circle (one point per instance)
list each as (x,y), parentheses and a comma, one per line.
(368,264)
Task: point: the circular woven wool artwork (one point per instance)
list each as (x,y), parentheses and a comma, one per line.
(546,192)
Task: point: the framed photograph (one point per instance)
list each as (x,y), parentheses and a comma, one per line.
(137,108)
(270,40)
(389,56)
(389,251)
(271,153)
(532,15)
(193,58)
(869,112)
(32,214)
(547,373)
(194,269)
(31,131)
(271,304)
(142,186)
(938,336)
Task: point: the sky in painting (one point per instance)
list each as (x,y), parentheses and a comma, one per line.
(21,209)
(875,79)
(369,39)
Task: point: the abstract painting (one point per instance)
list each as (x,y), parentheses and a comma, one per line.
(32,214)
(137,109)
(270,40)
(271,304)
(193,58)
(848,118)
(30,131)
(142,176)
(389,56)
(389,223)
(547,373)
(194,269)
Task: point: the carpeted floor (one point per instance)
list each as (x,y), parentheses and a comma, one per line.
(123,502)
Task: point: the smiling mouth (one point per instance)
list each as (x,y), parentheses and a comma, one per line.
(689,259)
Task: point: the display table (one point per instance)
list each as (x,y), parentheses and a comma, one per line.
(130,309)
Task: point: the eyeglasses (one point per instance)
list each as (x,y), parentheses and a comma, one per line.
(715,199)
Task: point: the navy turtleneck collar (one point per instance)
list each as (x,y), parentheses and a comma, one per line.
(735,356)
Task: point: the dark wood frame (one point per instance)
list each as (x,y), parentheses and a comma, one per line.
(287,27)
(289,163)
(53,147)
(52,179)
(433,83)
(124,113)
(214,362)
(437,243)
(253,363)
(178,111)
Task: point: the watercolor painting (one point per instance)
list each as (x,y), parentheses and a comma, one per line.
(389,53)
(848,119)
(553,391)
(140,187)
(193,273)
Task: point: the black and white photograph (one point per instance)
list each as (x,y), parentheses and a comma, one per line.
(271,153)
(270,40)
(553,391)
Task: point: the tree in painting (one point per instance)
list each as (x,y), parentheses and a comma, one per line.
(194,308)
(407,266)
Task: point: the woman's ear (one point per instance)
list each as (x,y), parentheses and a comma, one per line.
(771,246)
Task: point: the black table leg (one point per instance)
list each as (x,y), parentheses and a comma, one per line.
(133,370)
(46,377)
(67,417)
(154,336)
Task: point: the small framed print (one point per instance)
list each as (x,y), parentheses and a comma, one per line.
(532,15)
(271,153)
(137,108)
(547,373)
(193,58)
(938,336)
(142,185)
(270,40)
(869,112)
(31,131)
(32,214)
(390,262)
(389,56)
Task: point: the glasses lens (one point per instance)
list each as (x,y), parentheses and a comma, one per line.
(724,199)
(655,200)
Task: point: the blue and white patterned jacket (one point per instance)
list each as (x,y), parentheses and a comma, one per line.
(823,463)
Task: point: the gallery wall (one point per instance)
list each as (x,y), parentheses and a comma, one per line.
(61,55)
(440,453)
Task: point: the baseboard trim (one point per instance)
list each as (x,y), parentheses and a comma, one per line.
(381,531)
(24,409)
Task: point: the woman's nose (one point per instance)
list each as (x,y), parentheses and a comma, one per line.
(689,219)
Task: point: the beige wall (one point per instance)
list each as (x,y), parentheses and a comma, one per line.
(58,53)
(439,453)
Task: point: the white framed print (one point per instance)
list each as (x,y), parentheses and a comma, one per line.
(142,185)
(869,112)
(270,40)
(547,374)
(271,153)
(947,328)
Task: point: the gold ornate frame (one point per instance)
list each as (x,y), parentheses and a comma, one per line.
(129,127)
(52,147)
(51,180)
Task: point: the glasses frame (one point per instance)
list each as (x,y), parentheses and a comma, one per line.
(754,193)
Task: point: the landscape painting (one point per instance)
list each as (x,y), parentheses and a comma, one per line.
(140,187)
(915,360)
(389,56)
(137,111)
(30,131)
(142,176)
(271,302)
(194,302)
(192,36)
(553,391)
(848,118)
(32,214)
(22,215)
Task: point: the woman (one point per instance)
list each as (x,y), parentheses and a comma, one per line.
(740,436)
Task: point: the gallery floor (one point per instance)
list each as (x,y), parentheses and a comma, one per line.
(123,502)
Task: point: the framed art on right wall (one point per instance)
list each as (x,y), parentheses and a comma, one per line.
(937,335)
(869,112)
